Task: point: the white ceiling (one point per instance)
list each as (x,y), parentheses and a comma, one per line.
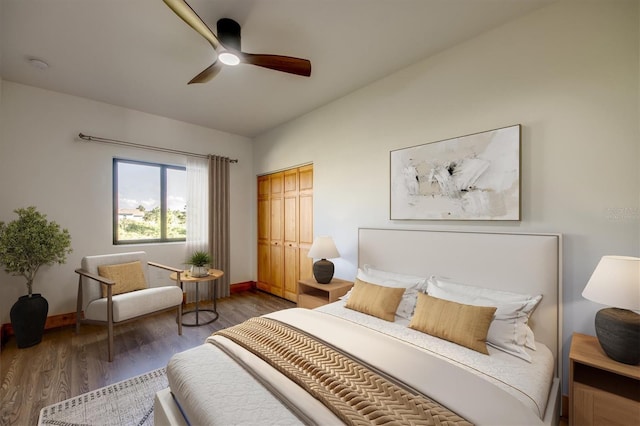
(138,54)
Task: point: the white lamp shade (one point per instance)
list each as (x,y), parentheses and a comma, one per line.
(615,282)
(323,248)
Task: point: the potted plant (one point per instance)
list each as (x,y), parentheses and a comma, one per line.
(27,244)
(199,261)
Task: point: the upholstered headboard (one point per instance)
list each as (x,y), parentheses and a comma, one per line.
(523,263)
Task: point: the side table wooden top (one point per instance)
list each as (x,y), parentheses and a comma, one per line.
(186,276)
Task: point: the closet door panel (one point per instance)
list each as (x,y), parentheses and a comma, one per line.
(264,240)
(305,180)
(305,264)
(291,272)
(264,266)
(276,263)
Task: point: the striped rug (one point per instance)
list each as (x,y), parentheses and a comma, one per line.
(129,402)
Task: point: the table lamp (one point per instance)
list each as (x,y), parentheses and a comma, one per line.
(616,282)
(323,248)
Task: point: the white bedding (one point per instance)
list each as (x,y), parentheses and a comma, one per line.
(196,379)
(212,389)
(529,382)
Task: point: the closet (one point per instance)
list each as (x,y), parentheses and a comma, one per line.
(285,230)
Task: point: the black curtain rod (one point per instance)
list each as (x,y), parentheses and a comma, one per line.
(90,138)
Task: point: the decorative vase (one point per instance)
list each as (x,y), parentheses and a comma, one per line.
(199,271)
(323,271)
(28,316)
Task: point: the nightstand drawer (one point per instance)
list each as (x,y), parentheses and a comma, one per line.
(593,406)
(311,301)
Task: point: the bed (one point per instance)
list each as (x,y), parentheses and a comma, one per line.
(222,382)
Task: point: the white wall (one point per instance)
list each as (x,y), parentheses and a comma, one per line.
(43,163)
(568,73)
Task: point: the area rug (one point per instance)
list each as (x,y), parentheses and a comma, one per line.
(129,402)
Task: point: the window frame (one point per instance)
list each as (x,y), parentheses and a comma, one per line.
(163,201)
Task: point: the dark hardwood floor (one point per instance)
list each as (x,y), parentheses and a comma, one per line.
(66,364)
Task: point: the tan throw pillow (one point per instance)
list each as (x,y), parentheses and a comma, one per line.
(376,300)
(127,276)
(466,325)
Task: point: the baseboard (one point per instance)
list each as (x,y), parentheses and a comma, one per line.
(54,321)
(240,287)
(63,320)
(4,336)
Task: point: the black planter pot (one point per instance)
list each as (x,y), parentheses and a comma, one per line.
(28,316)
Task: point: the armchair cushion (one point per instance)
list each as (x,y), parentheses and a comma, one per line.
(127,276)
(135,304)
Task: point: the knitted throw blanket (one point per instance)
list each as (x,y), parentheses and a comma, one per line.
(352,391)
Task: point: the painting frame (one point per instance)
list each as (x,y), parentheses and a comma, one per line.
(471,177)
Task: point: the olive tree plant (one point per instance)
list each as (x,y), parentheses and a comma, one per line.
(30,242)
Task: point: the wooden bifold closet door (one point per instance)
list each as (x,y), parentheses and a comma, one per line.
(285,230)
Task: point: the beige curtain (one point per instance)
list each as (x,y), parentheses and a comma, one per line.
(219,220)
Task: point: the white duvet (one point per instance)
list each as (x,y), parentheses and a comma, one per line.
(211,388)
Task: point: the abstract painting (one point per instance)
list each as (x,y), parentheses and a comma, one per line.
(473,177)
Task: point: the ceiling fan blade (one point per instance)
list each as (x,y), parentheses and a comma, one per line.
(207,74)
(286,64)
(188,15)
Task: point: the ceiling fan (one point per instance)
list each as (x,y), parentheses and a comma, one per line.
(227,46)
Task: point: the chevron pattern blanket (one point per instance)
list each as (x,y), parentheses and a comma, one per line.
(354,392)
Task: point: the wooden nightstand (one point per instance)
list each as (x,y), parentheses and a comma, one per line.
(601,391)
(311,294)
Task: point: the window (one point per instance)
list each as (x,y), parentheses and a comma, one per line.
(149,202)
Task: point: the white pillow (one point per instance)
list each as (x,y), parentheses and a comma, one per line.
(531,339)
(509,331)
(391,279)
(410,280)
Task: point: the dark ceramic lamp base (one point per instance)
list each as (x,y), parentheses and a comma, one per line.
(323,271)
(618,332)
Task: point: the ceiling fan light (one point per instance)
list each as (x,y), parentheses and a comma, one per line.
(228,58)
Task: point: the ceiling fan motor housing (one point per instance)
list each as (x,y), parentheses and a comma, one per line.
(229,33)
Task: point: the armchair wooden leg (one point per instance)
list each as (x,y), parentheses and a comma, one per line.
(79,305)
(179,319)
(110,340)
(110,322)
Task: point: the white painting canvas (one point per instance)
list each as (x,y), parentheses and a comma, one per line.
(473,177)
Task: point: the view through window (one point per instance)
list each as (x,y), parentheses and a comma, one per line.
(150,202)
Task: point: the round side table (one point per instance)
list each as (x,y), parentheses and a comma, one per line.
(186,277)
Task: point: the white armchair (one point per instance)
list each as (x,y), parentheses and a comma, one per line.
(114,289)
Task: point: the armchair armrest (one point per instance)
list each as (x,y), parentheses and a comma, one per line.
(168,268)
(98,278)
(106,281)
